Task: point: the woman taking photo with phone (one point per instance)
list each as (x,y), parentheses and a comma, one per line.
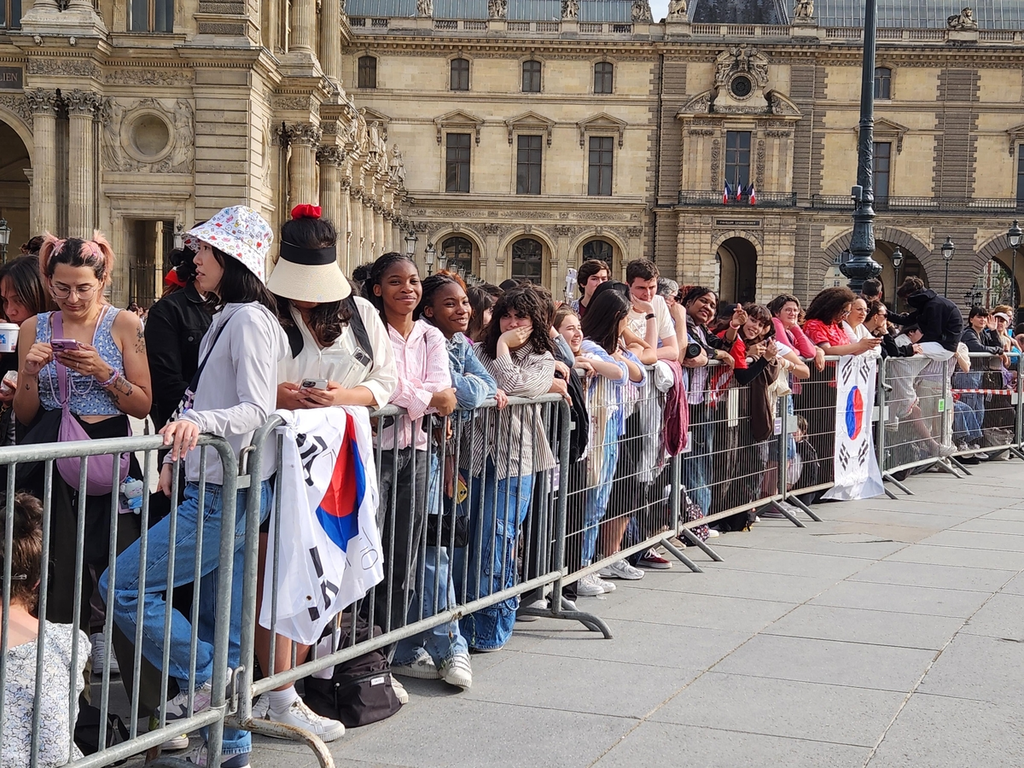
(235,391)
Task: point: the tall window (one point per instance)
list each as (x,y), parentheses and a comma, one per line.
(598,249)
(526,260)
(883,83)
(10,14)
(1020,175)
(531,76)
(367,72)
(528,162)
(460,75)
(737,160)
(456,165)
(601,156)
(458,252)
(604,73)
(882,166)
(150,15)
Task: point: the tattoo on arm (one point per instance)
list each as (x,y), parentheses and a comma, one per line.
(140,340)
(123,386)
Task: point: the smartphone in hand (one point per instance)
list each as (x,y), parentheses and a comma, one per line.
(64,345)
(314,384)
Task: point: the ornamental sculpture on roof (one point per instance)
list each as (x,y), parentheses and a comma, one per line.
(677,9)
(570,10)
(963,20)
(803,11)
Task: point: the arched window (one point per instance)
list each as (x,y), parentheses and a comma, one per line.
(460,75)
(458,253)
(604,73)
(531,76)
(883,83)
(527,260)
(367,73)
(598,249)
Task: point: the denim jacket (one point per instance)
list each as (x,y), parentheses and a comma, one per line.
(473,384)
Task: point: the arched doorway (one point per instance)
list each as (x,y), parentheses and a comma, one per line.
(528,260)
(458,254)
(994,286)
(910,267)
(14,187)
(737,276)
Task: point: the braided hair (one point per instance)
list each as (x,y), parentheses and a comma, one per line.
(378,269)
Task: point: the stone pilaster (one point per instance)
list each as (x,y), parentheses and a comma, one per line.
(82,106)
(356,254)
(303,39)
(370,250)
(330,39)
(344,226)
(303,139)
(378,229)
(44,162)
(330,160)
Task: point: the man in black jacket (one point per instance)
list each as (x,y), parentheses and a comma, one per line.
(938,317)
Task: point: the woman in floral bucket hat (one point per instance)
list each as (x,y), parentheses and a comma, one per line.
(235,390)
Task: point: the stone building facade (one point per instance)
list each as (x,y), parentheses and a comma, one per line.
(518,137)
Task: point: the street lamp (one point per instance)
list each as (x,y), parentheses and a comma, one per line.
(5,238)
(1013,237)
(861,266)
(897,262)
(429,255)
(947,256)
(442,260)
(410,243)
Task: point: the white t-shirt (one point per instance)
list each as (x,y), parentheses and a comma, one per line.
(662,318)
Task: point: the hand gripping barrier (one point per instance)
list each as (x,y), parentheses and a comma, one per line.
(82,537)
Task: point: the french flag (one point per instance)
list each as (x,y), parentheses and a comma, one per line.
(727,194)
(753,195)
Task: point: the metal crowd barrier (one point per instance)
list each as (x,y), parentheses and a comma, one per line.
(81,537)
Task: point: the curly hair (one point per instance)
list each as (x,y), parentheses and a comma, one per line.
(828,305)
(525,302)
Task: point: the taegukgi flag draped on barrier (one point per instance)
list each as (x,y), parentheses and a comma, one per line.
(330,553)
(856,466)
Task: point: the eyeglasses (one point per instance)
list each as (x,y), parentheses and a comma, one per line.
(63,291)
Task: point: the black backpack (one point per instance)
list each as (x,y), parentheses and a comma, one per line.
(360,691)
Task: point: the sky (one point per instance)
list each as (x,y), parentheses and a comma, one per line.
(659,9)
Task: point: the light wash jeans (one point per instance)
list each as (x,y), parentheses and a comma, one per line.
(496,526)
(697,461)
(597,499)
(126,591)
(436,592)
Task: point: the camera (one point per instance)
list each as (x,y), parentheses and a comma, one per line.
(693,349)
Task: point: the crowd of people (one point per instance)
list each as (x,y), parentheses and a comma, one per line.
(227,345)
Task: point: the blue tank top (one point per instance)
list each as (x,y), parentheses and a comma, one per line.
(88,398)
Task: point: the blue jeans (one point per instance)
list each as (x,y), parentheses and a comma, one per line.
(493,568)
(160,550)
(597,499)
(697,461)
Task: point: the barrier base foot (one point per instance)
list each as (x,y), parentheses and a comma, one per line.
(588,620)
(282,731)
(898,484)
(789,515)
(803,507)
(959,466)
(1017,452)
(678,555)
(694,539)
(947,467)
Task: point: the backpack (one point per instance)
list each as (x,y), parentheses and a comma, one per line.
(355,323)
(359,691)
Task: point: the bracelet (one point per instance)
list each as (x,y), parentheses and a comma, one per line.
(649,316)
(111,380)
(734,327)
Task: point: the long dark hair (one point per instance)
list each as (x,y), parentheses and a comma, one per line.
(327,321)
(239,285)
(828,305)
(377,271)
(523,301)
(24,276)
(480,299)
(601,323)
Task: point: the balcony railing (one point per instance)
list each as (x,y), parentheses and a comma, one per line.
(764,199)
(924,204)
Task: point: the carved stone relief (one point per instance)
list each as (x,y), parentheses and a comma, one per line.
(716,157)
(147,135)
(19,105)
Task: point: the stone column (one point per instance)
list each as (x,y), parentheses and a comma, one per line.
(303,38)
(369,229)
(397,235)
(378,231)
(330,159)
(330,39)
(44,160)
(81,171)
(304,139)
(343,225)
(355,227)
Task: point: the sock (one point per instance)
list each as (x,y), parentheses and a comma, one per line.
(281,700)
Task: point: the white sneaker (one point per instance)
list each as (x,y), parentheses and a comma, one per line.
(301,716)
(99,654)
(177,708)
(175,744)
(458,671)
(422,667)
(620,569)
(713,533)
(400,693)
(587,586)
(607,586)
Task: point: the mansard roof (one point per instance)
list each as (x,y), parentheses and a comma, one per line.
(914,14)
(614,11)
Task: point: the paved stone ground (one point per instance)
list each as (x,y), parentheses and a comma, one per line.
(890,635)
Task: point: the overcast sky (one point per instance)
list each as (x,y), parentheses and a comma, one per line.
(659,9)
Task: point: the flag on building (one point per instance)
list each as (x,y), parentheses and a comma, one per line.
(752,194)
(726,194)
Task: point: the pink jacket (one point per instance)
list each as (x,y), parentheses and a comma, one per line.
(794,337)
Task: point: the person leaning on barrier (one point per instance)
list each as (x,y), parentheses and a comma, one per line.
(234,395)
(649,317)
(824,323)
(25,633)
(877,323)
(939,318)
(785,311)
(977,324)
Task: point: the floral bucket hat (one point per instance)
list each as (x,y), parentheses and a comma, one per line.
(241,233)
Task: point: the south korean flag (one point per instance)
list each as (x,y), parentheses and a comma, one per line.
(855,464)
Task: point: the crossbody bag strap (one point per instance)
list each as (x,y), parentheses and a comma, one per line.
(63,375)
(199,371)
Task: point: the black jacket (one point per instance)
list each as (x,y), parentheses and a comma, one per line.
(891,349)
(938,317)
(174,328)
(976,344)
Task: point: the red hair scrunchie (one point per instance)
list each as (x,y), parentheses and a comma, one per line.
(306,211)
(173,278)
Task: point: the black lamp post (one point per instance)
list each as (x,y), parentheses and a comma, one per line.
(1013,237)
(5,238)
(897,262)
(947,256)
(430,253)
(861,266)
